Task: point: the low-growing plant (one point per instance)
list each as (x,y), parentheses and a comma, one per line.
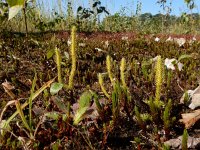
(137,140)
(139,119)
(109,70)
(58,62)
(73,55)
(160,111)
(122,69)
(100,79)
(184,144)
(115,102)
(84,103)
(168,120)
(158,81)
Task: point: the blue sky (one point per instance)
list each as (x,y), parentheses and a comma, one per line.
(178,6)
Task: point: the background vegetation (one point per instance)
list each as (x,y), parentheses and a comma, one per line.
(48,16)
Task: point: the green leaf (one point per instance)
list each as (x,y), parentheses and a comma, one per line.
(79,115)
(84,103)
(55,88)
(184,57)
(85,99)
(50,53)
(13,11)
(15,2)
(15,7)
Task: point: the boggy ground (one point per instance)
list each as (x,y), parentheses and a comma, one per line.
(21,57)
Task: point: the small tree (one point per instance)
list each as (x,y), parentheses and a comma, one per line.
(84,14)
(15,6)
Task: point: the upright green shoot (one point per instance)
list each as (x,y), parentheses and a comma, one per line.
(58,63)
(139,119)
(109,66)
(115,101)
(100,78)
(166,118)
(73,54)
(153,109)
(158,80)
(184,140)
(122,76)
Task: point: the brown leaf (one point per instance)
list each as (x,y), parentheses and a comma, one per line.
(176,143)
(5,107)
(195,102)
(8,87)
(189,119)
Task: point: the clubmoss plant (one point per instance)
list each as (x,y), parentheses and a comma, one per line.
(122,76)
(100,78)
(137,140)
(58,63)
(158,80)
(153,109)
(99,107)
(169,78)
(186,99)
(115,101)
(139,119)
(115,105)
(145,69)
(73,55)
(184,140)
(135,68)
(45,97)
(108,66)
(166,118)
(68,110)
